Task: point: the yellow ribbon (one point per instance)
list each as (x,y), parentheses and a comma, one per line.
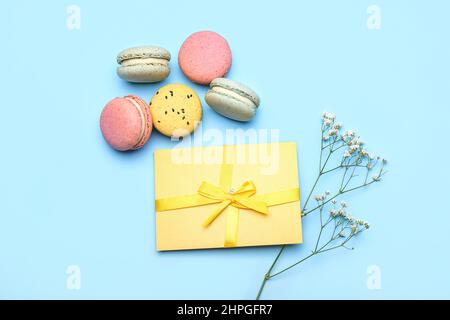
(239,199)
(243,197)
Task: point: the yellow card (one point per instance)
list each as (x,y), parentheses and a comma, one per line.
(227,196)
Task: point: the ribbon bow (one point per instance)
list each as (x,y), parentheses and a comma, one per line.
(239,198)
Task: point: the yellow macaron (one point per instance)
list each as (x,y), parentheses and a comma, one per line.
(176,110)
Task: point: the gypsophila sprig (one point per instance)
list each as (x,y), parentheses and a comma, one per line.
(354,160)
(343,153)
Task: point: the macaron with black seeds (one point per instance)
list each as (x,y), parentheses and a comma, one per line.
(176,110)
(232,99)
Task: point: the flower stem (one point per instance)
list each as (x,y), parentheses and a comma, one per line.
(311,192)
(267,276)
(337,195)
(295,264)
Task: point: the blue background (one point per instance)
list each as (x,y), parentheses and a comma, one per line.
(68,199)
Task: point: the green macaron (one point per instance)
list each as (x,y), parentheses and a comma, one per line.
(232,99)
(144,64)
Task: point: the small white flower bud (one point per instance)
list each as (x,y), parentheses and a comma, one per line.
(350,133)
(329,116)
(333,132)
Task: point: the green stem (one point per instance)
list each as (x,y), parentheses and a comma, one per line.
(295,264)
(314,253)
(267,276)
(337,195)
(311,192)
(321,229)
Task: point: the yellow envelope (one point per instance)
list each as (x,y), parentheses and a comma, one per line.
(227,196)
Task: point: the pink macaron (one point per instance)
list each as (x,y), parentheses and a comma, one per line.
(126,123)
(205,56)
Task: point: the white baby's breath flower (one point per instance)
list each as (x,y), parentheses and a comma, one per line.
(327,192)
(369,166)
(354,143)
(344,204)
(376,178)
(342,234)
(328,116)
(366,225)
(333,132)
(347,154)
(350,133)
(319,197)
(337,126)
(354,228)
(327,122)
(333,213)
(333,201)
(354,148)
